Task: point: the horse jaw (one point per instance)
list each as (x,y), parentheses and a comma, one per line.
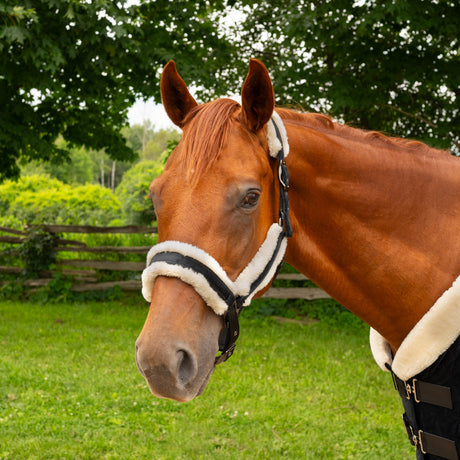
(176,363)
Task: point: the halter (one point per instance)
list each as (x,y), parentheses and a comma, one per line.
(199,269)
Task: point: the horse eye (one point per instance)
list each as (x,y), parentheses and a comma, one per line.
(251,199)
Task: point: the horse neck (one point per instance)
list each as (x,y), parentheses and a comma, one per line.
(371,225)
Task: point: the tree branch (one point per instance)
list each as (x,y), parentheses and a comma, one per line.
(411,115)
(452,136)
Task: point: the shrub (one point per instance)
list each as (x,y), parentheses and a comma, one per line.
(133,192)
(37,251)
(41,200)
(10,190)
(11,222)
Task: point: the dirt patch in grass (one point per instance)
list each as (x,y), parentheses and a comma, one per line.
(303,320)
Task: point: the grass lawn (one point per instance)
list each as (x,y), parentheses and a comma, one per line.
(70,389)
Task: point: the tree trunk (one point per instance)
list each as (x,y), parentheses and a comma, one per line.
(102,172)
(113,175)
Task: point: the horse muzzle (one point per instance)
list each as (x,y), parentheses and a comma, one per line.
(176,349)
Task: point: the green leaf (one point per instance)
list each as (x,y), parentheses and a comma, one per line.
(13,34)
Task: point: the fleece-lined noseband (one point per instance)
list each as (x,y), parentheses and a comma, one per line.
(199,269)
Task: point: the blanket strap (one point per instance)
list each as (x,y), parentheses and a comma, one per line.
(429,443)
(423,392)
(413,392)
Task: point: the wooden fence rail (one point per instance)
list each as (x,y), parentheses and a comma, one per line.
(86,272)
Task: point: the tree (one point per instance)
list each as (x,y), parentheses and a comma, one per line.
(149,142)
(381,65)
(74,67)
(133,192)
(79,169)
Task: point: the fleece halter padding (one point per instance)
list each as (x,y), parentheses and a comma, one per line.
(199,269)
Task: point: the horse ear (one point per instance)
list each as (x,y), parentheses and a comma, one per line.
(257,97)
(176,98)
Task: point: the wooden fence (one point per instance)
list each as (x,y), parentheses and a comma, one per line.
(85,273)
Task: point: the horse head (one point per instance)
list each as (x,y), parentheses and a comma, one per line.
(217,197)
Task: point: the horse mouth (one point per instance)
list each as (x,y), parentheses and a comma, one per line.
(177,392)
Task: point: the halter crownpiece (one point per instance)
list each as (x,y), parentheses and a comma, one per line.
(277,137)
(199,269)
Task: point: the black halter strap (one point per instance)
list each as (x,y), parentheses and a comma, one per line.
(231,330)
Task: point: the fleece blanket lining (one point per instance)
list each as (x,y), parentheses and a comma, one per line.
(436,331)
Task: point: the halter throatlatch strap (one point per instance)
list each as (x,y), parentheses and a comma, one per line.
(200,270)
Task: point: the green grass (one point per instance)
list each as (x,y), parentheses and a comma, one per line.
(70,389)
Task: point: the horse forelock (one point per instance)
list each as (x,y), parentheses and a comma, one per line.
(206,131)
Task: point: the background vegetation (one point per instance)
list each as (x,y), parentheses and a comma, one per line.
(90,189)
(381,65)
(72,68)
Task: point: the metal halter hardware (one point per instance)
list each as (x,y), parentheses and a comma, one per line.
(199,269)
(231,330)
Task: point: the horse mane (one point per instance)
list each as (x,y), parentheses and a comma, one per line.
(207,127)
(324,123)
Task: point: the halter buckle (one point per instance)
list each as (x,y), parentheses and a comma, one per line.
(283,174)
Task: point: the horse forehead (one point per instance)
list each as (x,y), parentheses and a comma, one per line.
(243,155)
(246,144)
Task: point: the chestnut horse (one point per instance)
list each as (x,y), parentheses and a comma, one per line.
(375,220)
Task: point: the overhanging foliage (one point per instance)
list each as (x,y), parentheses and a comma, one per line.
(389,66)
(75,67)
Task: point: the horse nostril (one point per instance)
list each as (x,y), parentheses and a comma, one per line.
(186,367)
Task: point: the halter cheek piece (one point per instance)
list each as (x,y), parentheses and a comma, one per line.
(199,269)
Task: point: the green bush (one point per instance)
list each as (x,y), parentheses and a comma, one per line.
(11,222)
(133,192)
(37,251)
(41,200)
(10,190)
